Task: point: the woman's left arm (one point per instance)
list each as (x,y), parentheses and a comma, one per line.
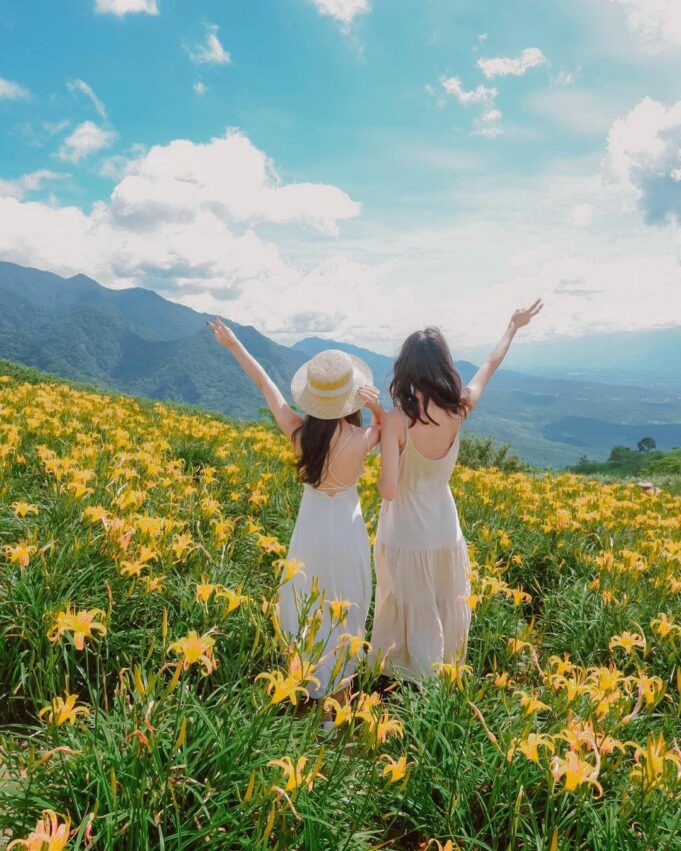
(390,455)
(285,416)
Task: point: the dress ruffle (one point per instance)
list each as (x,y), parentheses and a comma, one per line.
(423,611)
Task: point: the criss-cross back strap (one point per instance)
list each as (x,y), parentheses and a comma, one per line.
(338,484)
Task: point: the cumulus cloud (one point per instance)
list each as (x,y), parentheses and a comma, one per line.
(182,220)
(86,139)
(231,178)
(27,183)
(501,66)
(210,51)
(644,154)
(488,124)
(9,90)
(200,88)
(83,88)
(656,21)
(342,10)
(480,94)
(125,7)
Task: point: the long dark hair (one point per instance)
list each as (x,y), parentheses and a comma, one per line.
(314,438)
(425,365)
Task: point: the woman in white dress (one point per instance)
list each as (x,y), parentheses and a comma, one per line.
(329,538)
(423,612)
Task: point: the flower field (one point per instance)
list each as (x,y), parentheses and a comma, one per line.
(145,701)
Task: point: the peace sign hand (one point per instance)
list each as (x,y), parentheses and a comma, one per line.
(224,335)
(524,314)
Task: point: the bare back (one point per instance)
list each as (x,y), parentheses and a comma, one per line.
(433,440)
(345,462)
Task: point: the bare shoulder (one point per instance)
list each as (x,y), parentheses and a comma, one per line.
(392,418)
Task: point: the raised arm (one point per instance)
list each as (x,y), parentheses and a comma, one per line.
(285,416)
(370,395)
(479,381)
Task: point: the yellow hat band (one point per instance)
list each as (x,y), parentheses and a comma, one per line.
(326,386)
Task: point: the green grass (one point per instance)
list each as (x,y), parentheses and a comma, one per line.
(183,764)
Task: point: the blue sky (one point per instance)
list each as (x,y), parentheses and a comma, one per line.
(351,168)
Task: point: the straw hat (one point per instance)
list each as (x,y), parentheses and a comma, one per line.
(326,386)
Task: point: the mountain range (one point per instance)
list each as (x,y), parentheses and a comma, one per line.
(137,342)
(646,358)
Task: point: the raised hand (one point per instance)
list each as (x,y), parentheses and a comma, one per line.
(522,317)
(224,335)
(370,395)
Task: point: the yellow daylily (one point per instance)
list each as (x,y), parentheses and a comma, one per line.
(22,509)
(63,710)
(295,774)
(81,624)
(627,641)
(395,769)
(282,688)
(194,649)
(20,553)
(49,834)
(576,771)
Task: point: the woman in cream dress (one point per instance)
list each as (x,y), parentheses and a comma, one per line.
(423,613)
(329,539)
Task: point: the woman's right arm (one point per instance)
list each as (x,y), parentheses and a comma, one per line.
(477,384)
(285,416)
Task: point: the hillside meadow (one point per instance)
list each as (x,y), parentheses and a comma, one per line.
(145,701)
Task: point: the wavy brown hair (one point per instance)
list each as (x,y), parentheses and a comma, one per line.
(425,365)
(314,439)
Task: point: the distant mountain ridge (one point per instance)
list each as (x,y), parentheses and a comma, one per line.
(137,342)
(648,358)
(551,420)
(131,340)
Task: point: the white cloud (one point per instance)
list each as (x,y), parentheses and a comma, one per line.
(10,90)
(500,66)
(488,125)
(231,178)
(565,78)
(644,154)
(342,10)
(490,116)
(656,21)
(481,94)
(125,7)
(210,51)
(87,90)
(582,111)
(581,214)
(27,183)
(181,221)
(200,88)
(86,139)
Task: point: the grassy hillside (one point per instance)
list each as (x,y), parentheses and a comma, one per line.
(661,468)
(144,698)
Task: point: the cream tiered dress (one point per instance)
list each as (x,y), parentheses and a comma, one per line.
(331,541)
(423,612)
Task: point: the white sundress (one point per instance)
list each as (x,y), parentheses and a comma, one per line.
(423,612)
(331,541)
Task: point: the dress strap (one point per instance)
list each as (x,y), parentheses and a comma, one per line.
(338,484)
(406,425)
